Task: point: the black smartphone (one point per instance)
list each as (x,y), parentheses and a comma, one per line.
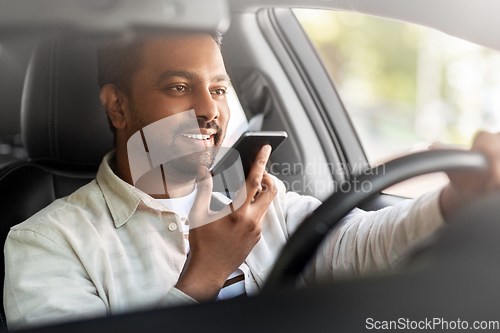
(247,147)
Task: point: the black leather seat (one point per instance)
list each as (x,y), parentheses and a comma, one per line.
(64,130)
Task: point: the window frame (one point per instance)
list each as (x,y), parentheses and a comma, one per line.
(317,92)
(326,109)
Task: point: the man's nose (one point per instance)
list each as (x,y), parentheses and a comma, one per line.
(206,107)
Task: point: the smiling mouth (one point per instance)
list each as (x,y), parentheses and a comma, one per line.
(197,136)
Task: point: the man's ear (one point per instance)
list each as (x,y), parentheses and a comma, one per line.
(113,101)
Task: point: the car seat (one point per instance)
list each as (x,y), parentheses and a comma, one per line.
(64,130)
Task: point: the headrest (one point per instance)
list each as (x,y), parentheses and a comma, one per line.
(62,118)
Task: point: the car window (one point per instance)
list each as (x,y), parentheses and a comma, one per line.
(11,148)
(406,86)
(14,57)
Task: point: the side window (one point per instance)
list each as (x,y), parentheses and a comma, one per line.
(406,86)
(11,148)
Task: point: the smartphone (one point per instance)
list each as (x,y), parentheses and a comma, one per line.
(247,147)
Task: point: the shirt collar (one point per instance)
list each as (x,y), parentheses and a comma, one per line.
(124,199)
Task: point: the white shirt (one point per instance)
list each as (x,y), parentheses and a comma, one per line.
(181,206)
(109,248)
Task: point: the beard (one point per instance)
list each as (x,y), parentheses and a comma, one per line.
(185,168)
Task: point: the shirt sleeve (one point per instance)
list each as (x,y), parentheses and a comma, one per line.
(368,242)
(176,297)
(46,283)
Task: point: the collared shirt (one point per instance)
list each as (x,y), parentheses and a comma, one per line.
(109,248)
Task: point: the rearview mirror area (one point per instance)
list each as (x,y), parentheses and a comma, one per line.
(110,19)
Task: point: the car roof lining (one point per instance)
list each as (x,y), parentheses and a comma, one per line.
(475,21)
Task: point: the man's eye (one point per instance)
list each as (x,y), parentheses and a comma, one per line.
(220,91)
(179,88)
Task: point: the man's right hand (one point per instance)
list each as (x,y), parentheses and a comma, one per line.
(218,248)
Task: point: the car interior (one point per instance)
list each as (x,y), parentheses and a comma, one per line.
(54,134)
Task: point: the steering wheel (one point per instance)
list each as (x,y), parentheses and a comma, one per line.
(304,242)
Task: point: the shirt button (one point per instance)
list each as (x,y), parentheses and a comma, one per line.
(172,226)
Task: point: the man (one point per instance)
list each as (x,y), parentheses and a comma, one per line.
(110,248)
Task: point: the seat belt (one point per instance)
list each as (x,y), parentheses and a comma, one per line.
(255,123)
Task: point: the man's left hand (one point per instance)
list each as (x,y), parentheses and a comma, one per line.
(467,186)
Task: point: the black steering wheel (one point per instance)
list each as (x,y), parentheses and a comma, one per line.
(302,245)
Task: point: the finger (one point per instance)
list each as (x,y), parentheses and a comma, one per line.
(264,198)
(252,185)
(254,179)
(201,205)
(436,146)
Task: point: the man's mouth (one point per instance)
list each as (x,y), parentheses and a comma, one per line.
(202,137)
(197,136)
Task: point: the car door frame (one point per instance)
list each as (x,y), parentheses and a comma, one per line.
(317,91)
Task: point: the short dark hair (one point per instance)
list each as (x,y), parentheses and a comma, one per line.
(117,64)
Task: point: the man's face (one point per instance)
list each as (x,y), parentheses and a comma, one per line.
(178,74)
